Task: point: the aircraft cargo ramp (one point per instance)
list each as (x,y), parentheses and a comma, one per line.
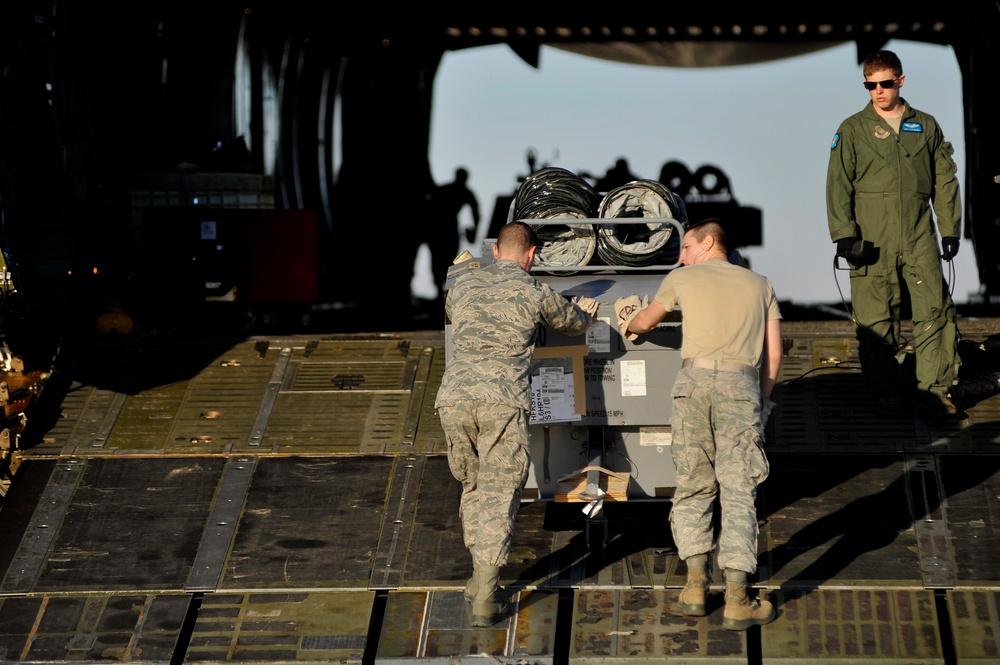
(287,498)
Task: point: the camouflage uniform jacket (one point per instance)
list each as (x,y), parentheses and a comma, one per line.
(495,312)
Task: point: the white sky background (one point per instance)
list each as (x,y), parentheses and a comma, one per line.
(767,126)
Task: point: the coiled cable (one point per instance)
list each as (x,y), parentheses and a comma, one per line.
(640,244)
(556,193)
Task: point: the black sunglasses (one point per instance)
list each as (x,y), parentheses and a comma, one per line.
(887,84)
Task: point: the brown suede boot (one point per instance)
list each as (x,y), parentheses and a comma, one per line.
(692,597)
(490,604)
(473,584)
(471,587)
(742,612)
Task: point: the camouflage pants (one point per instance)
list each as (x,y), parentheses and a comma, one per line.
(488,454)
(717,451)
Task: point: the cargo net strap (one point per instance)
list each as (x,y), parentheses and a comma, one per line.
(640,244)
(555,193)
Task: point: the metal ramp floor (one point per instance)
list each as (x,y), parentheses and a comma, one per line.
(288,499)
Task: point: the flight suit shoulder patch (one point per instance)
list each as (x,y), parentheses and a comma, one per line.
(835,141)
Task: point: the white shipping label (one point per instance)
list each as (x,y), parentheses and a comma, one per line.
(633,378)
(599,336)
(552,384)
(553,397)
(655,436)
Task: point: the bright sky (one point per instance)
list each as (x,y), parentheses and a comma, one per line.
(767,126)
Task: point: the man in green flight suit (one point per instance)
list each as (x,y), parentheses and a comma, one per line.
(891,173)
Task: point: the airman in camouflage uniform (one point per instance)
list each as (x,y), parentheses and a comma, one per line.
(484,400)
(731,350)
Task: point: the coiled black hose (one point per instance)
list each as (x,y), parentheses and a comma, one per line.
(556,193)
(640,244)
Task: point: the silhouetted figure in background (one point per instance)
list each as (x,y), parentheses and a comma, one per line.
(447,202)
(616,176)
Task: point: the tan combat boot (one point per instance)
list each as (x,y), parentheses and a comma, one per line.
(490,603)
(473,584)
(472,588)
(692,597)
(742,612)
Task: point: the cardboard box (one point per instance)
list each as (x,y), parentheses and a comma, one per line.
(614,484)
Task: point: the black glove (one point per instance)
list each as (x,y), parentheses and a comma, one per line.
(845,247)
(949,247)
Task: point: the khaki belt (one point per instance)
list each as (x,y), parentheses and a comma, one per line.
(720,366)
